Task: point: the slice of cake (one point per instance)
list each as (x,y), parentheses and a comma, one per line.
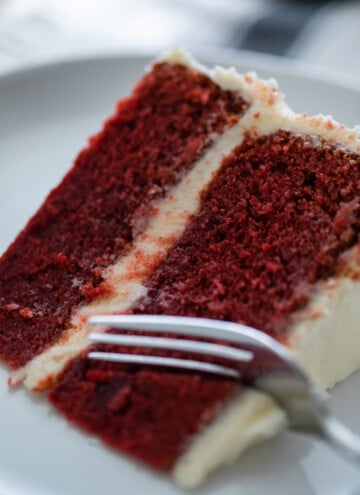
(204,195)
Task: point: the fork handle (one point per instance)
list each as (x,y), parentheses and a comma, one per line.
(339,436)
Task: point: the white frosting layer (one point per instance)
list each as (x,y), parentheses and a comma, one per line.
(328,354)
(250,418)
(326,337)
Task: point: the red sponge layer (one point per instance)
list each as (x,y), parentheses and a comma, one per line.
(149,414)
(275,221)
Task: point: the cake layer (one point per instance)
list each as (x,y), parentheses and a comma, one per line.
(147,413)
(93,217)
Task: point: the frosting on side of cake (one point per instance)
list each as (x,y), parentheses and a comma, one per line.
(326,336)
(248,419)
(327,354)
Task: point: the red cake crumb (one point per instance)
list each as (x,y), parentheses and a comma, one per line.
(10,307)
(94,215)
(273,222)
(26,313)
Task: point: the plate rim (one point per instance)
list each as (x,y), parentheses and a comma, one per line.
(226,56)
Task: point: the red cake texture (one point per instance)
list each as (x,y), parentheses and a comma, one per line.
(273,223)
(100,207)
(149,414)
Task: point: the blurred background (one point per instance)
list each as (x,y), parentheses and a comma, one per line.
(324,33)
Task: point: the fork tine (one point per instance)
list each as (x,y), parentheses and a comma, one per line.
(205,348)
(197,327)
(187,364)
(150,322)
(246,337)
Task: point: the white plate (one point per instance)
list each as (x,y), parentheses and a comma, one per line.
(46,114)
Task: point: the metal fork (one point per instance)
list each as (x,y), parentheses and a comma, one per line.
(258,360)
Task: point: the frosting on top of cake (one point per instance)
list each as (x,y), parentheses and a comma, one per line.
(265,95)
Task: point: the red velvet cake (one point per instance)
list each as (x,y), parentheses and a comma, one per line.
(203,195)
